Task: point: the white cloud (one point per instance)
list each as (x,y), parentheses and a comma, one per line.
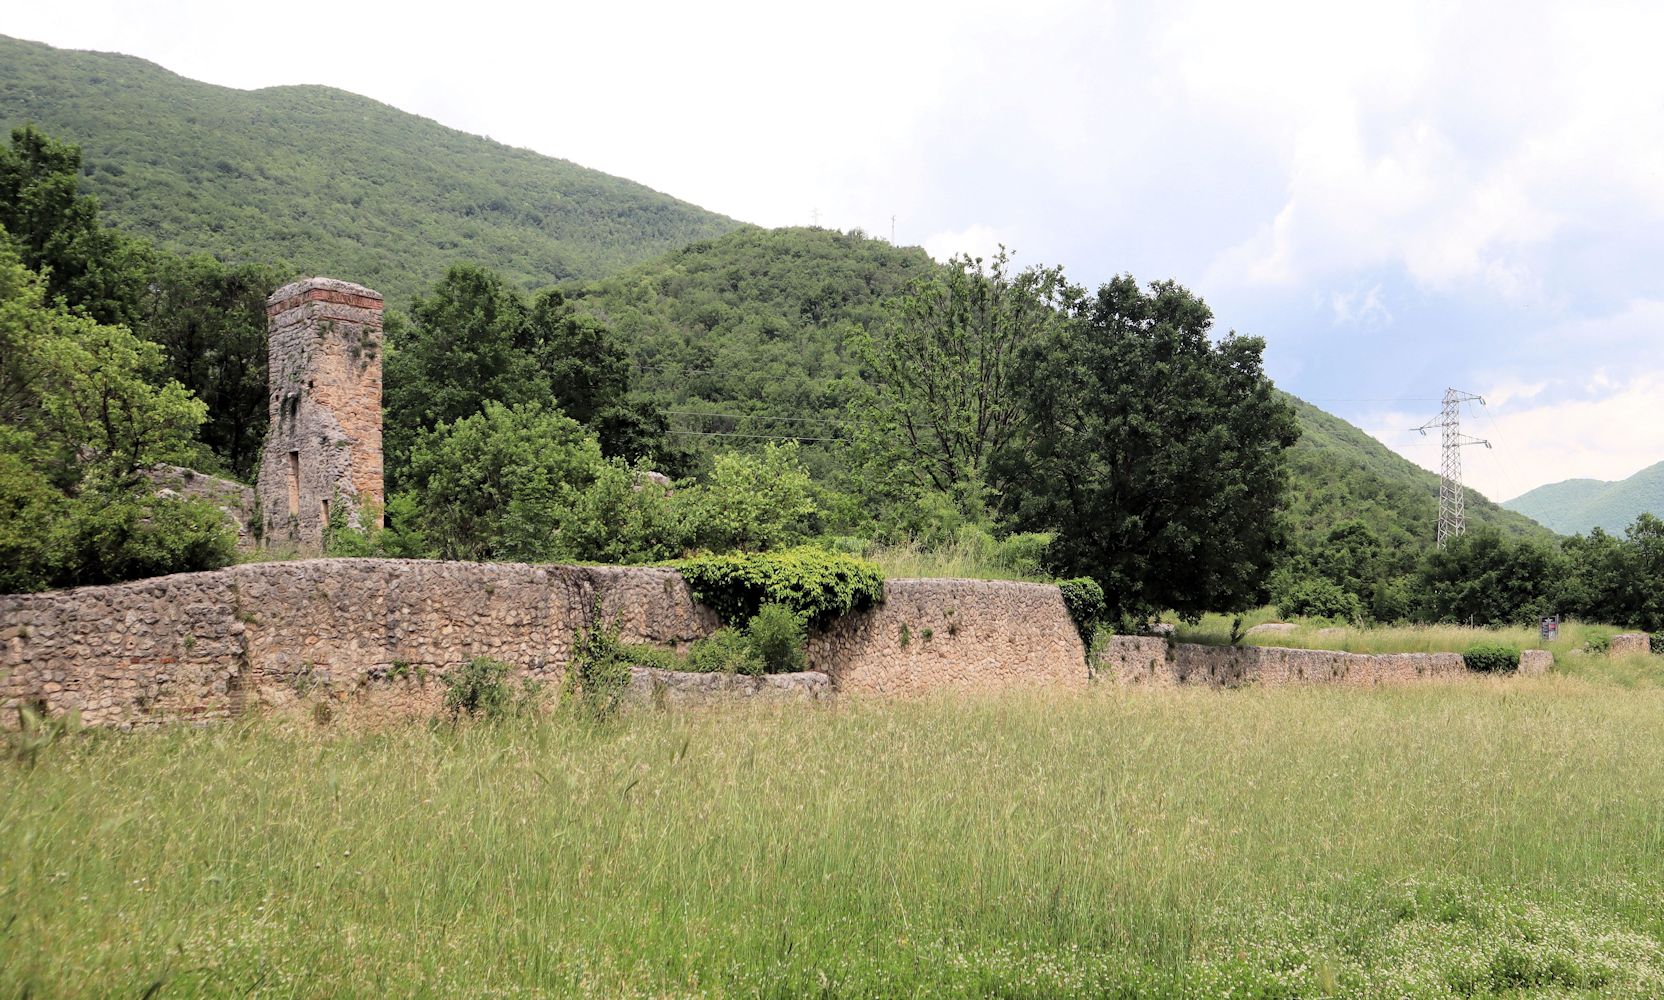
(1360,307)
(1608,435)
(978,241)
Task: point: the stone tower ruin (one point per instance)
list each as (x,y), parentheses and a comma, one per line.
(323,445)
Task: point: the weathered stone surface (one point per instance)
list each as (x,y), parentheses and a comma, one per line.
(1630,644)
(1273,628)
(1535,662)
(931,635)
(234,500)
(198,645)
(323,443)
(651,687)
(1137,660)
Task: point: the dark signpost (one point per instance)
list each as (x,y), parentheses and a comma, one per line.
(1551,628)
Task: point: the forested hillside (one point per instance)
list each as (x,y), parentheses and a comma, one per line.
(1342,473)
(748,335)
(1580,505)
(322,181)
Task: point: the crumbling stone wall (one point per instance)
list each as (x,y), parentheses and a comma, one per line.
(654,688)
(234,500)
(1630,644)
(953,634)
(323,444)
(1144,660)
(206,645)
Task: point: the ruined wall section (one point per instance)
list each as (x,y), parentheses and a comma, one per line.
(323,443)
(931,635)
(1149,660)
(233,499)
(206,645)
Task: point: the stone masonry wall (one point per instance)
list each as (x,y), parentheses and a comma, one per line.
(1630,644)
(323,444)
(205,645)
(1142,660)
(961,634)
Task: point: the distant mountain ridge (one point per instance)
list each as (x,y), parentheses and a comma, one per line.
(1577,506)
(329,182)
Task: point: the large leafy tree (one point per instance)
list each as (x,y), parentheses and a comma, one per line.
(1155,453)
(1485,578)
(475,340)
(499,484)
(84,407)
(55,230)
(210,319)
(943,372)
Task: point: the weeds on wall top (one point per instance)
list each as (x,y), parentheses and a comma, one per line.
(1087,609)
(816,584)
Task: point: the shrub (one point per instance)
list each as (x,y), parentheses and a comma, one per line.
(477,688)
(751,501)
(1655,642)
(1314,597)
(1598,645)
(725,651)
(129,534)
(1085,600)
(817,584)
(600,668)
(643,655)
(1492,658)
(777,634)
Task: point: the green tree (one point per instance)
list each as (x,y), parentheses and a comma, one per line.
(210,319)
(751,501)
(1156,455)
(501,484)
(943,369)
(1485,578)
(56,232)
(80,413)
(467,344)
(1646,535)
(475,340)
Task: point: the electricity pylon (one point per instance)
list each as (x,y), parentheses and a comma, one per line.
(1452,499)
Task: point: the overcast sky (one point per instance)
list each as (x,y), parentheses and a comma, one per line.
(1399,197)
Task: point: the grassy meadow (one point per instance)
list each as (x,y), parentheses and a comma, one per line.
(1483,838)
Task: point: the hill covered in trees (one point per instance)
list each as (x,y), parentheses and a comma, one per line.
(750,333)
(318,180)
(1580,505)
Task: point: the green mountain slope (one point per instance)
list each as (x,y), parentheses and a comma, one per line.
(748,334)
(1578,505)
(324,181)
(754,325)
(1341,473)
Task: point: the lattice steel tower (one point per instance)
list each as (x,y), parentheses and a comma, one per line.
(1452,498)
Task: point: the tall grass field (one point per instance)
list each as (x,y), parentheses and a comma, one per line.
(1474,839)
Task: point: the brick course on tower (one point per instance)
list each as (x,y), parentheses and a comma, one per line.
(323,444)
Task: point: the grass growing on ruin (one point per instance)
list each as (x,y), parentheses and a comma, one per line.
(1483,838)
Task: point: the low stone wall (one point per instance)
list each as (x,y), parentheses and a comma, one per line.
(1535,662)
(205,645)
(1141,660)
(1630,644)
(654,688)
(953,634)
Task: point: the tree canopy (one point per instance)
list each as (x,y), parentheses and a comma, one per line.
(1155,454)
